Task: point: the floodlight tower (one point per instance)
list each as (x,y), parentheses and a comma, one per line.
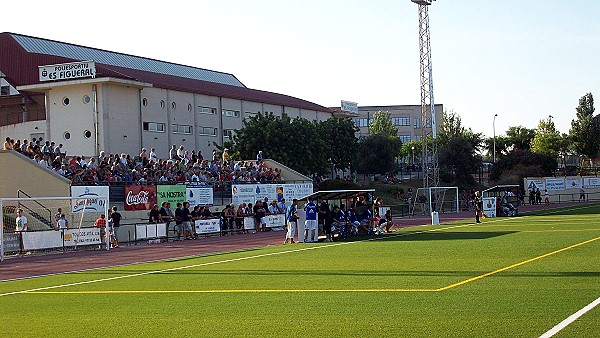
(431,170)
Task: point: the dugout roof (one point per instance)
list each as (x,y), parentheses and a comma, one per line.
(338,194)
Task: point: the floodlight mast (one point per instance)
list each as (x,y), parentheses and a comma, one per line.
(429,156)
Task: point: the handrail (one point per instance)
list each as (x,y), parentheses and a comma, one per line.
(33,213)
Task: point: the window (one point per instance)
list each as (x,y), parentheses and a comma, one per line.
(362,122)
(66,135)
(162,104)
(4,91)
(154,126)
(418,123)
(206,110)
(228,133)
(144,102)
(208,131)
(87,134)
(86,99)
(250,114)
(401,121)
(404,138)
(189,107)
(181,129)
(66,101)
(231,113)
(428,122)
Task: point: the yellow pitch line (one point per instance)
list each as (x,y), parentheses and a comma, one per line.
(515,265)
(104,292)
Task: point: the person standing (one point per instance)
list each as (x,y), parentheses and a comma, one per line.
(292,221)
(581,194)
(179,220)
(62,223)
(115,218)
(311,224)
(325,219)
(21,221)
(57,217)
(546,196)
(187,221)
(101,223)
(478,206)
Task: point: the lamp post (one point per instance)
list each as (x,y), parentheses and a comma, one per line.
(494,127)
(413,155)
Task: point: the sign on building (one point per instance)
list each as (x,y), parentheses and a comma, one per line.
(171,193)
(349,106)
(199,195)
(67,71)
(249,193)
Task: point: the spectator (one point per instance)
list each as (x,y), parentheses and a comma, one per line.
(259,157)
(115,218)
(20,221)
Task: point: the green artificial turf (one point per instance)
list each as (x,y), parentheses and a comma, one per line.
(448,280)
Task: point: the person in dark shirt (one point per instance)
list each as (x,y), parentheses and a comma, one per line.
(187,221)
(179,221)
(325,219)
(115,219)
(154,215)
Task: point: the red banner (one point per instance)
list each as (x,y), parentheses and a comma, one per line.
(140,197)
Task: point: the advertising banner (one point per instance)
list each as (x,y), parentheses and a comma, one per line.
(535,184)
(140,197)
(12,242)
(555,184)
(85,236)
(199,195)
(208,226)
(87,198)
(591,182)
(171,193)
(489,206)
(274,221)
(573,183)
(249,193)
(37,240)
(249,223)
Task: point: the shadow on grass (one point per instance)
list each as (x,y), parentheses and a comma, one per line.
(568,211)
(447,236)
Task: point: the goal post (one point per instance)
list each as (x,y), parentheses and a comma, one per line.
(439,199)
(44,230)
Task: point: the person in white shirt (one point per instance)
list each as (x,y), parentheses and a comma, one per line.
(21,221)
(153,157)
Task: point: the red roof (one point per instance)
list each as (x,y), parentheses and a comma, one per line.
(21,68)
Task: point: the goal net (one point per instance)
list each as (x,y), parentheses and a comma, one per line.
(440,199)
(49,223)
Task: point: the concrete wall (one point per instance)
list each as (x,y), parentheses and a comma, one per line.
(19,172)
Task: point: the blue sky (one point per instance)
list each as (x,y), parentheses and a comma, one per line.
(522,60)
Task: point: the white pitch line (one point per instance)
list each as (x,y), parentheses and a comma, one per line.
(219,262)
(244,258)
(570,319)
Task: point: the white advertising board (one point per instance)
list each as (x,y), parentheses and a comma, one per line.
(85,236)
(274,221)
(591,182)
(537,184)
(573,183)
(489,206)
(150,230)
(208,226)
(555,184)
(249,193)
(67,71)
(37,240)
(199,195)
(88,198)
(249,223)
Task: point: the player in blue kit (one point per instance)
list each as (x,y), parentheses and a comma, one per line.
(310,225)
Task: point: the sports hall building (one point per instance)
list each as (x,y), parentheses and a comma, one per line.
(93,100)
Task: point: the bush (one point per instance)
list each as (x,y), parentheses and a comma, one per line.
(338,185)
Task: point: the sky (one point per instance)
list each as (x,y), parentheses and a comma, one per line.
(522,60)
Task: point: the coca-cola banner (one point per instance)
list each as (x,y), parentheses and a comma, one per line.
(139,197)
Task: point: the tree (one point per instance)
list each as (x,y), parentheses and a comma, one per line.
(341,145)
(512,167)
(547,139)
(520,137)
(383,125)
(295,143)
(377,154)
(459,157)
(585,130)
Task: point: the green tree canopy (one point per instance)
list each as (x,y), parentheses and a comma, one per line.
(341,144)
(519,137)
(547,139)
(382,125)
(377,154)
(585,129)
